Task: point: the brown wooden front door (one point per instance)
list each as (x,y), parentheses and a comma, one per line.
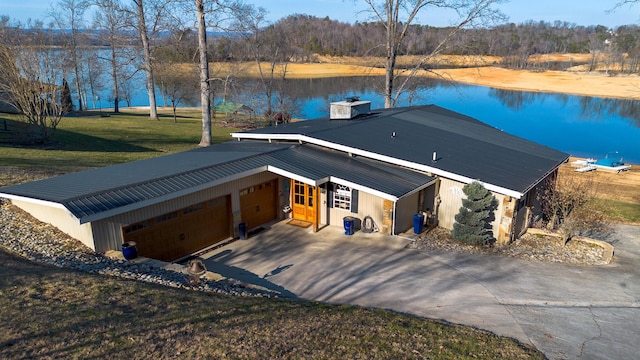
(304,201)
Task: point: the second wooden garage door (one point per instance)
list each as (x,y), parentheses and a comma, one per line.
(179,233)
(258,203)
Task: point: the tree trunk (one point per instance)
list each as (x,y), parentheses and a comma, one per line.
(146,47)
(205,87)
(389,77)
(114,76)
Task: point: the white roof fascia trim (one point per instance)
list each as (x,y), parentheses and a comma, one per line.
(372,155)
(269,137)
(371,191)
(409,164)
(171,196)
(33,201)
(293,176)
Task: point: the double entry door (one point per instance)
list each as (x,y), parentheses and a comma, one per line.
(304,201)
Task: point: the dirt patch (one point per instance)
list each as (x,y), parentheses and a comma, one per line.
(529,247)
(623,186)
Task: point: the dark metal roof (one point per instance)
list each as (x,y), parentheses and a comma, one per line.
(464,146)
(90,193)
(376,175)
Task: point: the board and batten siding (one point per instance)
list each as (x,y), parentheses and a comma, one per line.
(107,233)
(406,207)
(451,196)
(368,205)
(60,218)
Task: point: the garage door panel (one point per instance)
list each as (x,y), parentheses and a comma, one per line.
(177,234)
(258,204)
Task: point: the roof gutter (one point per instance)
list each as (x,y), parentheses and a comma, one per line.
(376,156)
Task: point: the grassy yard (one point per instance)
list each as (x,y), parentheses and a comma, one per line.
(621,211)
(49,312)
(94,141)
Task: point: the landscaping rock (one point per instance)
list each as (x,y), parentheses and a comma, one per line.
(25,236)
(535,245)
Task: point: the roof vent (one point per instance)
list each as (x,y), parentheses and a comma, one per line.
(349,108)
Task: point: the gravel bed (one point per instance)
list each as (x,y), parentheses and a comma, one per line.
(25,236)
(528,247)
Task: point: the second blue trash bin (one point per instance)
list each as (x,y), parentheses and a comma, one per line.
(349,223)
(418,220)
(242,229)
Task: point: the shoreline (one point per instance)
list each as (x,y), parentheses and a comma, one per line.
(565,82)
(472,70)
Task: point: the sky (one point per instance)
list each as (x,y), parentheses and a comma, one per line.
(579,12)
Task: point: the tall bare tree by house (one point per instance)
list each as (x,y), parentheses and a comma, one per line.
(397,16)
(112,22)
(68,16)
(148,17)
(205,86)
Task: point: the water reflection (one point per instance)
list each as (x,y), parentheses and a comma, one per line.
(591,108)
(602,109)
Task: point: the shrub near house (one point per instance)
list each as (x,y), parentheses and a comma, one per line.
(473,221)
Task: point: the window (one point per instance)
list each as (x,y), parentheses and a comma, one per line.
(136,227)
(192,208)
(166,217)
(342,197)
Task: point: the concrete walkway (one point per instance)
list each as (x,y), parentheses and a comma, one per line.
(568,312)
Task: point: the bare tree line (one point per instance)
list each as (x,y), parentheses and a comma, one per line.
(172,42)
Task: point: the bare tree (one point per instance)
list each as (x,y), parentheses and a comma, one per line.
(31,80)
(69,17)
(179,84)
(269,47)
(205,86)
(113,22)
(571,207)
(148,18)
(397,17)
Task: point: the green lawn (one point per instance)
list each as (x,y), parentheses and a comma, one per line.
(94,141)
(621,211)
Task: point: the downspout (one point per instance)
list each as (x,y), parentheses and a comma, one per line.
(393,219)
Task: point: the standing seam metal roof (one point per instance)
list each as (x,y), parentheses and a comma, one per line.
(89,193)
(464,146)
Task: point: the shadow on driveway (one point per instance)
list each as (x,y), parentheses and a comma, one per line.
(216,264)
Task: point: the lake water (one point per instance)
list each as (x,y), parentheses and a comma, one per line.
(581,126)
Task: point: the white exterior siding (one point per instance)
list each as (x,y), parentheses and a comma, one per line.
(368,205)
(60,218)
(451,196)
(405,209)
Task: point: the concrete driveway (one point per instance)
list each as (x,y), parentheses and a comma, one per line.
(568,312)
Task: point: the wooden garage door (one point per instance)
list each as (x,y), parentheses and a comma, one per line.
(258,204)
(180,233)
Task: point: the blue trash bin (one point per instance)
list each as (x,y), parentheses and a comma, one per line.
(242,229)
(349,224)
(418,221)
(130,250)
